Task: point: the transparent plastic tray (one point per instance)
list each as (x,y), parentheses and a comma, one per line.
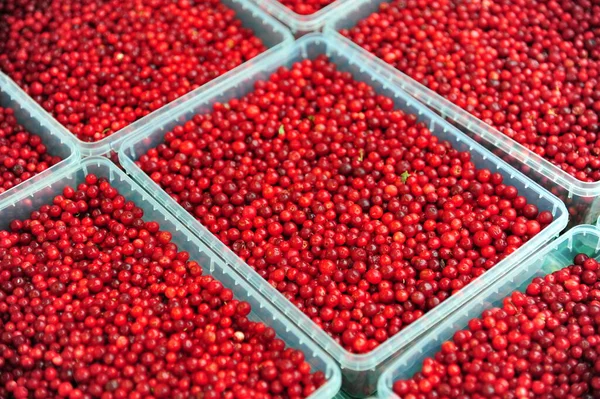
(273,35)
(555,256)
(33,118)
(300,24)
(21,205)
(360,372)
(582,199)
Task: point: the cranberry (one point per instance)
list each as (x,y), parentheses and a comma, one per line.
(96,302)
(542,343)
(353,210)
(100,65)
(22,153)
(529,68)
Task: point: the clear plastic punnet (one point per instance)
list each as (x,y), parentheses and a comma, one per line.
(360,371)
(273,35)
(33,118)
(300,24)
(21,205)
(555,256)
(582,199)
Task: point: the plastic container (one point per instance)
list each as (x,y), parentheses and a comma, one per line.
(33,118)
(273,34)
(360,372)
(555,256)
(300,24)
(582,199)
(21,205)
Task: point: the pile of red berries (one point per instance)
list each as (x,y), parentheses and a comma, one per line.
(529,68)
(22,154)
(100,65)
(305,7)
(96,302)
(544,343)
(352,209)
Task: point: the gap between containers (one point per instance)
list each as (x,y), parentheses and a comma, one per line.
(582,198)
(22,204)
(360,372)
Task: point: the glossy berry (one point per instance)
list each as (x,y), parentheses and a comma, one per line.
(22,153)
(100,65)
(353,210)
(529,68)
(542,343)
(95,302)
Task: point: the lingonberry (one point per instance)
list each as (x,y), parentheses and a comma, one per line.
(99,66)
(22,153)
(529,68)
(355,211)
(98,303)
(543,343)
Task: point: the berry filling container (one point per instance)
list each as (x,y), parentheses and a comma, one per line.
(300,24)
(360,371)
(35,120)
(32,198)
(581,197)
(272,34)
(555,256)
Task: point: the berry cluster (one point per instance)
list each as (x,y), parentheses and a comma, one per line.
(22,154)
(544,343)
(305,7)
(100,65)
(529,68)
(360,216)
(96,302)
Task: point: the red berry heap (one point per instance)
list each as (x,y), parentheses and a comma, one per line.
(95,302)
(530,68)
(22,154)
(305,7)
(544,343)
(353,210)
(99,65)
